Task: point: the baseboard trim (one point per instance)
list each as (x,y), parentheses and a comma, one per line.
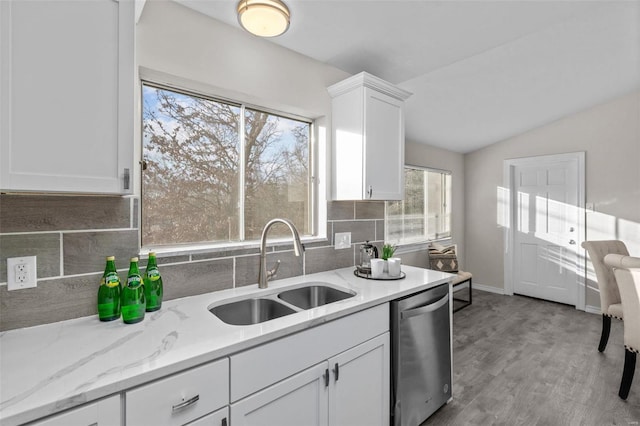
(488,288)
(592,309)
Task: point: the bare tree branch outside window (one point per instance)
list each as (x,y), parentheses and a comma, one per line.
(191,186)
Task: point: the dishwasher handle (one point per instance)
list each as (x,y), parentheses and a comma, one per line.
(429,307)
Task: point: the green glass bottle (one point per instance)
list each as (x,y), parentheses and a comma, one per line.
(153,284)
(133,300)
(109,292)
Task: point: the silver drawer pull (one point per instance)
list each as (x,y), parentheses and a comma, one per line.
(185,404)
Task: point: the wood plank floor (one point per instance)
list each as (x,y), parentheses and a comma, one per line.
(523,361)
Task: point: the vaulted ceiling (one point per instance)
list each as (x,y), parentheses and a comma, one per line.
(480,71)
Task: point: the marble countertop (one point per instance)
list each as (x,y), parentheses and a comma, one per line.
(53,367)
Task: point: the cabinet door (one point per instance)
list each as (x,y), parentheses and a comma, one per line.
(384,147)
(298,400)
(360,394)
(105,412)
(218,418)
(66,95)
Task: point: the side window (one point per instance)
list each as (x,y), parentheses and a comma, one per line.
(218,171)
(425,212)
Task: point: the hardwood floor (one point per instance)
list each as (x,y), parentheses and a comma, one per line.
(523,361)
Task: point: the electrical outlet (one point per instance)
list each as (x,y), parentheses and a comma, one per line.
(342,240)
(21,272)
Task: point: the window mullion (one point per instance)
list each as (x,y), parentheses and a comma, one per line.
(241,175)
(425,207)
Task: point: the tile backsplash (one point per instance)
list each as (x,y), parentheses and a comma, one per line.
(71,235)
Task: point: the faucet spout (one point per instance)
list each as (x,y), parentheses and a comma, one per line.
(298,248)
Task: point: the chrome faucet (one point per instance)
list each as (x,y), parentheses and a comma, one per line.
(298,248)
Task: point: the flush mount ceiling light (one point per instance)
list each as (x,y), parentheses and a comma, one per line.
(264,18)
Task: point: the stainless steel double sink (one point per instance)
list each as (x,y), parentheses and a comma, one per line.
(265,307)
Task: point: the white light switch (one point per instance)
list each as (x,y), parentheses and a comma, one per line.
(342,240)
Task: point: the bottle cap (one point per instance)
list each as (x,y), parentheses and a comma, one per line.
(134,259)
(111,258)
(152,254)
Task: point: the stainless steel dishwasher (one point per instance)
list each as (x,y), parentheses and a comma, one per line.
(421,355)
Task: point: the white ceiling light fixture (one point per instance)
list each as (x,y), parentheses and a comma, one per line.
(264,18)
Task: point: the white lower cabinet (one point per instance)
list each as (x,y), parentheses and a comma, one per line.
(335,374)
(181,398)
(360,387)
(349,389)
(105,412)
(217,418)
(299,400)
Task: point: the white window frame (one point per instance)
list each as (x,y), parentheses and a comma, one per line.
(445,207)
(316,159)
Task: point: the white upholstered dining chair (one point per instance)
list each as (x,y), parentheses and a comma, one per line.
(627,272)
(607,286)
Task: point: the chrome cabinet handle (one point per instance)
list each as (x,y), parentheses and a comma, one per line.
(370,191)
(185,404)
(572,242)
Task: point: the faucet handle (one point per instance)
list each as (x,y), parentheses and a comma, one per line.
(272,272)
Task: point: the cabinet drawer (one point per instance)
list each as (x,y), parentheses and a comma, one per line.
(105,412)
(181,398)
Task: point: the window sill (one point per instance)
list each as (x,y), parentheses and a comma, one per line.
(230,248)
(421,245)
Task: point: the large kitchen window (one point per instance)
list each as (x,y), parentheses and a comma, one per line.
(425,213)
(217,171)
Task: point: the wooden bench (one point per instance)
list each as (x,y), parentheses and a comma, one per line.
(461,278)
(445,259)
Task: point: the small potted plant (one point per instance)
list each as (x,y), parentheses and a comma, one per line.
(388,250)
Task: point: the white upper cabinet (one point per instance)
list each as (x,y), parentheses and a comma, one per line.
(67,95)
(368,139)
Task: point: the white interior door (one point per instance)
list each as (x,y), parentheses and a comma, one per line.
(546,197)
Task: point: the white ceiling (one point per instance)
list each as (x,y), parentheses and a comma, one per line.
(480,71)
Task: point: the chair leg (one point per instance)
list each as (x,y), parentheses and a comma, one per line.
(627,373)
(606,329)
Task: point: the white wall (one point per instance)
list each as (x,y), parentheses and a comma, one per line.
(182,42)
(184,48)
(610,136)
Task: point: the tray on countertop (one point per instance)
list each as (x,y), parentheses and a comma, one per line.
(385,276)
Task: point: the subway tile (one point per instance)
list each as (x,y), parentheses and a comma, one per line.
(136,204)
(328,258)
(32,213)
(162,260)
(370,210)
(247,267)
(45,246)
(340,210)
(215,254)
(380,230)
(53,300)
(85,252)
(361,230)
(190,279)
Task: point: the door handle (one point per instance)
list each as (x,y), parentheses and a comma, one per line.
(425,308)
(336,372)
(572,242)
(326,377)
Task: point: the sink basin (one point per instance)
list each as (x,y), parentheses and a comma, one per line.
(250,311)
(313,295)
